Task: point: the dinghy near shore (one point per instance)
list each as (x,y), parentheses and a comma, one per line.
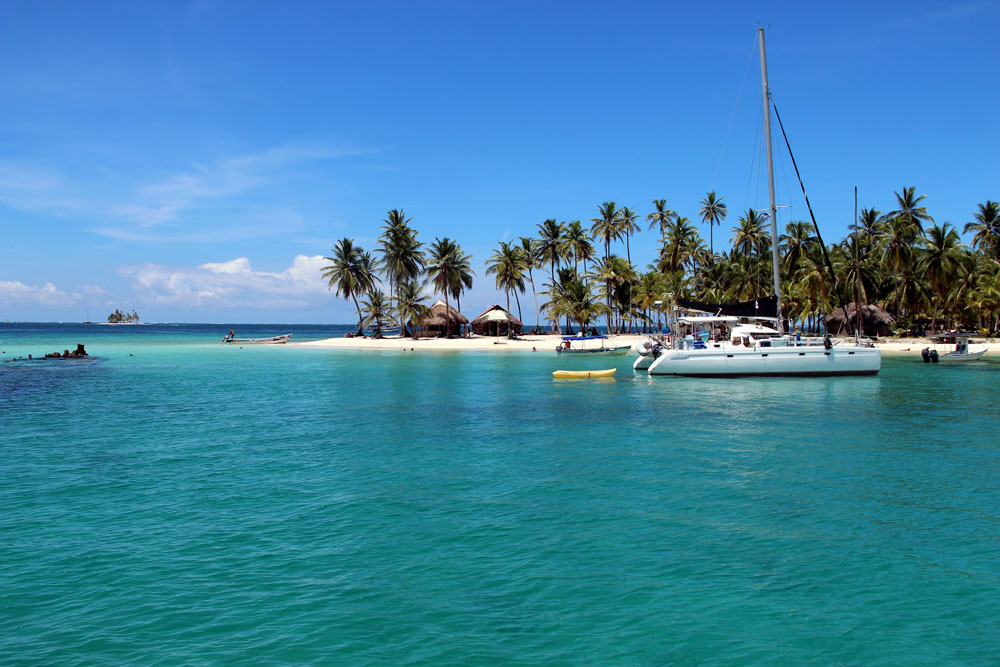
(270,340)
(584,374)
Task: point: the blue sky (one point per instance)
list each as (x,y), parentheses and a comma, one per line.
(195,160)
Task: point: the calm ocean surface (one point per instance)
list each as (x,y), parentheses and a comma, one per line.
(179,501)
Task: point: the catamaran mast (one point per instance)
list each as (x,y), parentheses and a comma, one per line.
(770,179)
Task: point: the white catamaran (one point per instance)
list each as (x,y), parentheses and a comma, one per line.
(761,355)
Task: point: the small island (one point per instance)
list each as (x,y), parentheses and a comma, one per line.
(118,317)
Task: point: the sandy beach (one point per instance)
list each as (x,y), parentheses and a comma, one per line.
(547,343)
(540,343)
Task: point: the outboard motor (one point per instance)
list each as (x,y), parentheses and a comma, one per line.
(827,343)
(934,356)
(926,355)
(657,349)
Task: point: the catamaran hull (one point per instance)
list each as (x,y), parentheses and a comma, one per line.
(643,362)
(797,361)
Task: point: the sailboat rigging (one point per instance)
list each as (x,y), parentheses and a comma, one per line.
(755,351)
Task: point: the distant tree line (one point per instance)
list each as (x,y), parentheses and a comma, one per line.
(118,317)
(902,260)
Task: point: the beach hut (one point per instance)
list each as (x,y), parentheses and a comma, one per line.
(441,320)
(495,321)
(874,320)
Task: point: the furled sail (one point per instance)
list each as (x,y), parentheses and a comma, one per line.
(765,306)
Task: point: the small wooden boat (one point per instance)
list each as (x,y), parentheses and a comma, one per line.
(584,374)
(579,345)
(270,340)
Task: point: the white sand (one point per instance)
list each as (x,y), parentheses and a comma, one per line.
(547,343)
(539,343)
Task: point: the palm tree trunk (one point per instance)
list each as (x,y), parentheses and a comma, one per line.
(535,295)
(518,302)
(447,316)
(361,325)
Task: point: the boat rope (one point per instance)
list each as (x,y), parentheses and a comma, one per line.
(819,237)
(736,105)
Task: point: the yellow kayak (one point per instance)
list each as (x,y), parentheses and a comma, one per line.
(584,374)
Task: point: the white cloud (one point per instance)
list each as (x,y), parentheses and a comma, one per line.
(130,207)
(48,294)
(232,284)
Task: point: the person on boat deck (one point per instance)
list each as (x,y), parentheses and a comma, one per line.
(232,335)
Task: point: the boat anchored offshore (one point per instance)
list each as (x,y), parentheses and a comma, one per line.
(961,352)
(764,351)
(270,340)
(578,345)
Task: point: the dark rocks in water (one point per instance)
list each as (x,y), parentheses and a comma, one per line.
(78,353)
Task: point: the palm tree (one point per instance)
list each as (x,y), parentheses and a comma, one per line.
(606,227)
(550,249)
(550,244)
(909,209)
(402,258)
(532,259)
(626,227)
(351,271)
(678,244)
(446,268)
(796,242)
(376,309)
(576,244)
(986,228)
(749,237)
(571,298)
(868,223)
(508,264)
(713,212)
(410,306)
(649,289)
(940,261)
(661,217)
(898,237)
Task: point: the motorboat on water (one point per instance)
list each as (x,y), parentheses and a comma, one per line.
(269,340)
(591,346)
(753,348)
(962,350)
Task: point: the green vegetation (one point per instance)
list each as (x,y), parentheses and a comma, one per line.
(118,317)
(903,261)
(353,272)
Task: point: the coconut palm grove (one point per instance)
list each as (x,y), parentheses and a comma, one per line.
(580,273)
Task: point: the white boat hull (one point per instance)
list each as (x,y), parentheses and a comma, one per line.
(963,356)
(643,362)
(270,340)
(729,361)
(599,352)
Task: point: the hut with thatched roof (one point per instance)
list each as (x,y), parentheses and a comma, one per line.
(874,320)
(441,320)
(496,321)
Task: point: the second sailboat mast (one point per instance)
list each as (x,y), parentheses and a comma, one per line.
(770,179)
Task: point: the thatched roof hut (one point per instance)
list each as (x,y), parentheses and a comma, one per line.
(874,320)
(441,320)
(496,321)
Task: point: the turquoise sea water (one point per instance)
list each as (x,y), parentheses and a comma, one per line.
(200,503)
